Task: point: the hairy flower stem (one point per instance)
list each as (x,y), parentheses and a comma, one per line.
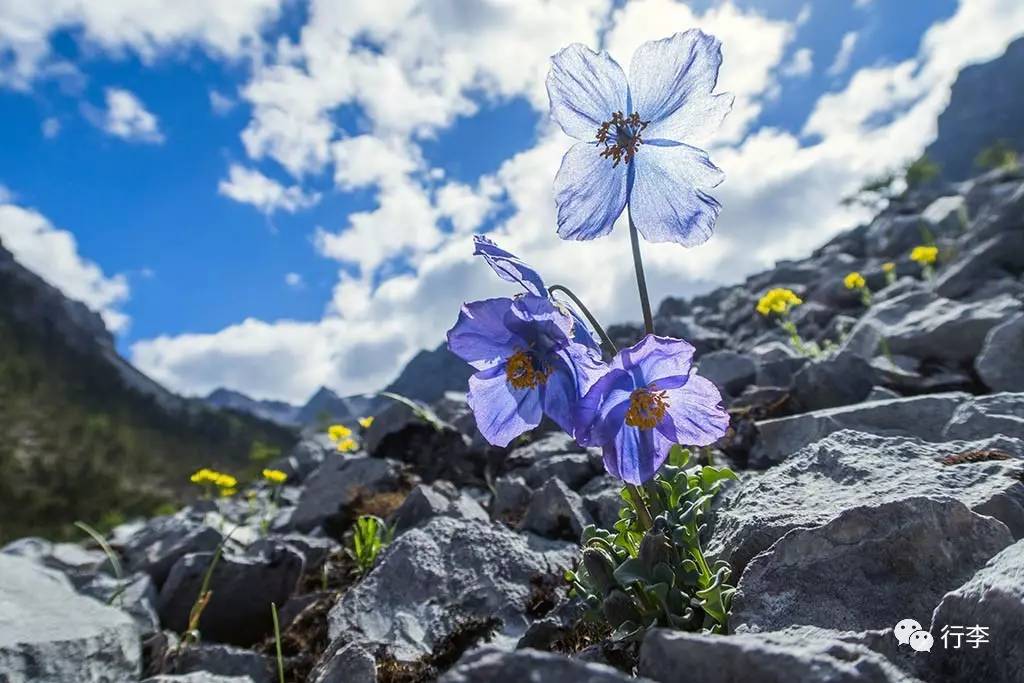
(640,505)
(641,281)
(605,339)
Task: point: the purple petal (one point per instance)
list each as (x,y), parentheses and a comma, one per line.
(667,202)
(502,413)
(695,414)
(589,193)
(536,321)
(559,397)
(664,362)
(508,266)
(594,410)
(634,455)
(585,88)
(671,83)
(480,336)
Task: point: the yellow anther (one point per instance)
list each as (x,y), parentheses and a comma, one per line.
(522,371)
(646,408)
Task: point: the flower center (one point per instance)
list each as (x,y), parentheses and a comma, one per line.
(620,136)
(646,408)
(525,372)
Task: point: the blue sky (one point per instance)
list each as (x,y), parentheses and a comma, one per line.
(370,153)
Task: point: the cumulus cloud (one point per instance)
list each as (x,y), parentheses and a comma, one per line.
(842,59)
(126,117)
(149,28)
(781,196)
(249,186)
(52,254)
(801,64)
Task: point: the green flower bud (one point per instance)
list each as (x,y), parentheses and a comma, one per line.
(600,568)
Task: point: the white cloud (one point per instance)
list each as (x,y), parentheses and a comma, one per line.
(842,59)
(294,280)
(149,28)
(220,103)
(249,186)
(801,64)
(52,254)
(50,127)
(127,118)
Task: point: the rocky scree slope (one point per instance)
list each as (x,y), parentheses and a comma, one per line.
(881,481)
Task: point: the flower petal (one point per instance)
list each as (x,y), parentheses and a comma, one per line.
(634,455)
(695,414)
(667,202)
(662,361)
(480,336)
(585,88)
(589,193)
(559,396)
(671,82)
(508,266)
(502,413)
(594,408)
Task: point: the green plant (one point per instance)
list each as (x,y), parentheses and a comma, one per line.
(370,535)
(999,154)
(921,171)
(277,643)
(635,578)
(191,634)
(418,409)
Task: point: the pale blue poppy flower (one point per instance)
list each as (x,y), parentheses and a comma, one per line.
(635,137)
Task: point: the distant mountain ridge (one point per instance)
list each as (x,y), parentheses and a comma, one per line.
(83,433)
(986,105)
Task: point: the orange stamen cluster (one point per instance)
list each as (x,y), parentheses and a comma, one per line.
(621,137)
(646,408)
(522,372)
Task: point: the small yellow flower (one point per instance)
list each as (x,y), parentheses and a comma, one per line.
(854,281)
(348,445)
(924,255)
(778,300)
(225,481)
(337,433)
(888,267)
(227,493)
(203,476)
(275,476)
(365,422)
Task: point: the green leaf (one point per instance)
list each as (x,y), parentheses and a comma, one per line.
(631,571)
(678,456)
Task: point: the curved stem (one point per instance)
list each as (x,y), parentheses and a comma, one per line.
(605,339)
(640,505)
(641,281)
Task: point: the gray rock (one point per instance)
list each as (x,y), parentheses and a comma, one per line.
(243,586)
(1000,365)
(603,498)
(50,634)
(346,664)
(314,549)
(339,482)
(921,416)
(225,661)
(197,678)
(987,415)
(730,371)
(133,594)
(71,559)
(992,598)
(850,469)
(833,381)
(946,216)
(924,326)
(892,235)
(432,579)
(672,656)
(868,568)
(511,496)
(575,469)
(982,262)
(165,540)
(881,394)
(776,362)
(555,511)
(490,665)
(426,501)
(526,456)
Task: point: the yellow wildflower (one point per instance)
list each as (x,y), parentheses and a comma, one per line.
(924,255)
(365,422)
(275,476)
(854,281)
(203,476)
(778,300)
(348,445)
(337,433)
(224,481)
(227,493)
(888,267)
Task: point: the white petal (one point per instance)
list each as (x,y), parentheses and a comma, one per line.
(585,88)
(589,192)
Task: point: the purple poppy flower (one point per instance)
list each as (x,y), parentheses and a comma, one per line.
(511,268)
(527,365)
(634,138)
(648,401)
